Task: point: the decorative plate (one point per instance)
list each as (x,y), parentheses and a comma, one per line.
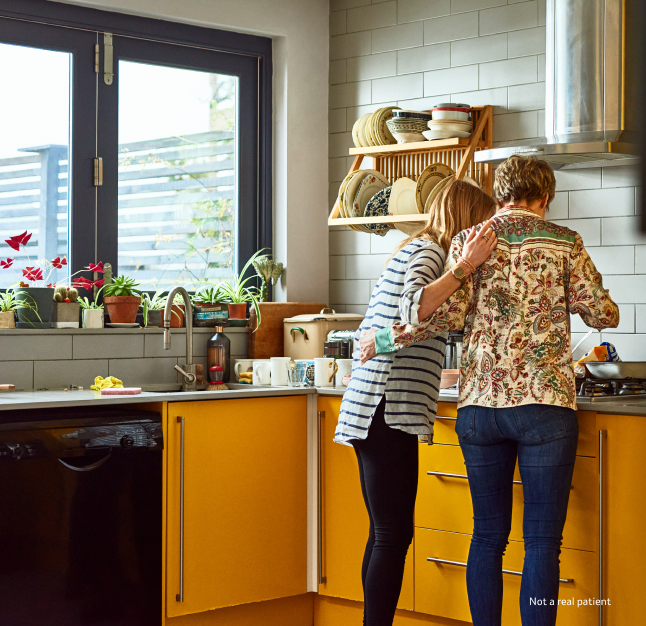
(402,197)
(355,134)
(435,192)
(430,177)
(342,186)
(363,135)
(383,132)
(378,207)
(370,185)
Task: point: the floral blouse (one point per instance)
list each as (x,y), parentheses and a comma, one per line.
(515,312)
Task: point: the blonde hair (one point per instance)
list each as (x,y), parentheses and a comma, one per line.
(459,206)
(524,178)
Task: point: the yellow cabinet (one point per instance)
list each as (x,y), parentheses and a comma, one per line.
(244,502)
(345,521)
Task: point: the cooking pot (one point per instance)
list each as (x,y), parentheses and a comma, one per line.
(619,370)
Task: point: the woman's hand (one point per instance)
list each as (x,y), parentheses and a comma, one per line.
(480,244)
(367,345)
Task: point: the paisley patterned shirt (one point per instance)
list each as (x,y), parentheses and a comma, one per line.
(515,312)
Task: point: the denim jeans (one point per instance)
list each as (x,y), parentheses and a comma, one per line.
(544,439)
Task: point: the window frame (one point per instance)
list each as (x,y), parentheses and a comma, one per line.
(86,142)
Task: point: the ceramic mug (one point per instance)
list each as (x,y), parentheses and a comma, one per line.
(279,371)
(324,371)
(344,369)
(262,372)
(242,365)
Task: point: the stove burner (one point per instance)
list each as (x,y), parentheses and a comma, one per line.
(598,387)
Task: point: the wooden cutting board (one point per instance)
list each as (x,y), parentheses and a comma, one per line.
(267,341)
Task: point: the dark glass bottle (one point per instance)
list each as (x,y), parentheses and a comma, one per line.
(218,351)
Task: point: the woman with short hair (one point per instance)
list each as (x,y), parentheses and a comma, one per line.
(517,396)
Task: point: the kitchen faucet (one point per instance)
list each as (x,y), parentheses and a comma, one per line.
(188,370)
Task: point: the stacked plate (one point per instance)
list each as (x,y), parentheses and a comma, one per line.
(371,129)
(449,120)
(356,191)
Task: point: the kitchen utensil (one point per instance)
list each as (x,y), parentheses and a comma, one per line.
(581,341)
(262,372)
(279,371)
(618,370)
(216,374)
(344,369)
(305,335)
(324,372)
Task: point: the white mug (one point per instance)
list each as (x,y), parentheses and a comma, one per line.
(279,371)
(242,365)
(261,372)
(324,371)
(345,369)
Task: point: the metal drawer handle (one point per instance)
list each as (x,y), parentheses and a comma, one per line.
(180,596)
(447,475)
(443,417)
(505,571)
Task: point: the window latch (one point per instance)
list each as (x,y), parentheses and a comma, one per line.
(108,60)
(98,172)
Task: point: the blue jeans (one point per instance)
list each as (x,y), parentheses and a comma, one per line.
(544,439)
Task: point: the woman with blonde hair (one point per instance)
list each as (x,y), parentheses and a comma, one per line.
(392,400)
(517,396)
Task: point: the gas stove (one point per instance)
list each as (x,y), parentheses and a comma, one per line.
(605,390)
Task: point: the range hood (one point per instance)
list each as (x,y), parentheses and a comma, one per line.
(591,107)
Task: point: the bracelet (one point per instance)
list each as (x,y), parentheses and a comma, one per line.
(468,264)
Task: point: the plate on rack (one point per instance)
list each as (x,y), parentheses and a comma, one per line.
(378,207)
(402,197)
(427,180)
(437,190)
(372,183)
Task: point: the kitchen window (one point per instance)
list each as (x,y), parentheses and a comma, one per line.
(135,142)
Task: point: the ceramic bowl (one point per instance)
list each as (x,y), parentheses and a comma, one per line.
(416,115)
(431,135)
(451,105)
(407,130)
(452,125)
(451,114)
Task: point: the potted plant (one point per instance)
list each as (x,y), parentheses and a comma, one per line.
(122,299)
(9,304)
(269,271)
(93,316)
(152,307)
(65,309)
(237,294)
(208,307)
(177,318)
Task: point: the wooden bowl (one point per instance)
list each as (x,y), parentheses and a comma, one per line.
(449,378)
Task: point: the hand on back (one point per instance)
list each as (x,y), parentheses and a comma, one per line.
(480,244)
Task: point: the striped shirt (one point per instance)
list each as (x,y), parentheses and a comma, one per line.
(409,378)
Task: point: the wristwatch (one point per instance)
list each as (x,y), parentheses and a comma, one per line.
(459,273)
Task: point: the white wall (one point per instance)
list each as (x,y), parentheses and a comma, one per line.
(415,53)
(300,36)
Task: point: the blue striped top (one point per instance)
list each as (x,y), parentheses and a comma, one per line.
(409,378)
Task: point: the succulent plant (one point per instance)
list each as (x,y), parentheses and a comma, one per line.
(60,293)
(269,271)
(73,294)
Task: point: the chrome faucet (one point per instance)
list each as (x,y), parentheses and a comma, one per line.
(188,370)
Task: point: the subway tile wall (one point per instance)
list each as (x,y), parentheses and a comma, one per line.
(414,53)
(55,359)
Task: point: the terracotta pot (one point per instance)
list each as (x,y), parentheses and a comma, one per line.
(122,309)
(176,316)
(238,311)
(7,319)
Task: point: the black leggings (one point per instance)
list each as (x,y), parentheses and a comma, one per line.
(388,461)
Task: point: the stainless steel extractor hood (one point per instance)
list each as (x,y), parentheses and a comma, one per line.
(590,87)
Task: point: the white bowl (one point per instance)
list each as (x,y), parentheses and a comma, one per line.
(431,135)
(408,137)
(451,125)
(450,115)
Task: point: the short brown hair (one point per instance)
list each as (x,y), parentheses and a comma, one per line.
(524,178)
(460,205)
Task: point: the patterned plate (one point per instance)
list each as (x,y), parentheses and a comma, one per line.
(378,207)
(427,180)
(370,185)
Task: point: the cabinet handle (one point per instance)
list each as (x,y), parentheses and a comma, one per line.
(602,436)
(446,475)
(180,596)
(322,579)
(505,571)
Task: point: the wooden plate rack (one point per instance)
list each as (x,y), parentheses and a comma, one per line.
(410,159)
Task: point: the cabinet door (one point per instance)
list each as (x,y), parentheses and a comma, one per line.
(345,519)
(245,502)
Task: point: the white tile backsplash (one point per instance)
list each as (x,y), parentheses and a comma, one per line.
(480,52)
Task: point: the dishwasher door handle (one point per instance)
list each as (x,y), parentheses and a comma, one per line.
(86,468)
(180,596)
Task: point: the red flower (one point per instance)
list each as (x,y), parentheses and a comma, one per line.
(82,283)
(6,264)
(99,283)
(51,285)
(96,268)
(58,262)
(33,273)
(18,240)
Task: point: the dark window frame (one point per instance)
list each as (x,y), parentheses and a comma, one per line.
(41,15)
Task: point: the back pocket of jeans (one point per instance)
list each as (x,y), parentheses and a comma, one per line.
(542,424)
(465,427)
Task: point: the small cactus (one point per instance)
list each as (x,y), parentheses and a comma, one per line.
(60,293)
(72,294)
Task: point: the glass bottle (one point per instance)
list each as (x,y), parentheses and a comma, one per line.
(218,351)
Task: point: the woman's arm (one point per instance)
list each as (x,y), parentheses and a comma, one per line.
(476,249)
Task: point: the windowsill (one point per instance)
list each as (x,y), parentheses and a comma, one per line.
(115,331)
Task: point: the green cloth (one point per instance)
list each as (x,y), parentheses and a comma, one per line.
(384,343)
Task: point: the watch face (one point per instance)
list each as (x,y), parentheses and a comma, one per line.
(458,272)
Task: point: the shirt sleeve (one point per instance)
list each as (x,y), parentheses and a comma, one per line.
(384,341)
(450,316)
(585,292)
(424,266)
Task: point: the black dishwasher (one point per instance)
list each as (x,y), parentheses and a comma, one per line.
(80,518)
